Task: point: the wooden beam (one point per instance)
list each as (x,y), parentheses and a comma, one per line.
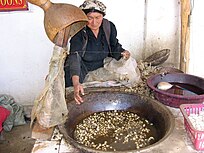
(185,35)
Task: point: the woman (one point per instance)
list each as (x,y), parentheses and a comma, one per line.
(89,47)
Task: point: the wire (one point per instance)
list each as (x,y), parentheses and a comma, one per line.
(93,52)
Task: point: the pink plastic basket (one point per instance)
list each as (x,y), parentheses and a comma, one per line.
(196,136)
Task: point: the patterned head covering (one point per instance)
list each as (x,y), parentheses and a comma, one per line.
(93,6)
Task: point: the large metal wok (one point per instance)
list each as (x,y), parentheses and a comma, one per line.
(99,100)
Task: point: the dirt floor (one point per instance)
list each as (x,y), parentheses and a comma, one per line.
(18,140)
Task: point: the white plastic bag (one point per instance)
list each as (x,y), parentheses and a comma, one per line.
(122,71)
(126,69)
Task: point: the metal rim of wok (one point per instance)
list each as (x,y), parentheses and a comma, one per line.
(174,100)
(161,110)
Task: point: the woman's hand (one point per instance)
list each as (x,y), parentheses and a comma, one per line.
(78,90)
(126,54)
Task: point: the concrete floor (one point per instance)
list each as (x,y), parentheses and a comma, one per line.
(177,142)
(19,141)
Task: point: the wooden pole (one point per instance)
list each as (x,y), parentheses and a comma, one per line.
(185,35)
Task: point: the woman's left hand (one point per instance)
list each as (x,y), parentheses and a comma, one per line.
(126,54)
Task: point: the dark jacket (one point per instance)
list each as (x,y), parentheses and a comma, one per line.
(80,61)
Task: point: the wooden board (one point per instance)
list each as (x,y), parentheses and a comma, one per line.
(38,132)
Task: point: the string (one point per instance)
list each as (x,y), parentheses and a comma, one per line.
(92,52)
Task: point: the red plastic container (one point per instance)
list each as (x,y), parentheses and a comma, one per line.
(196,136)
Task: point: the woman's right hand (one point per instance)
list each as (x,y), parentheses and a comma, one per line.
(78,90)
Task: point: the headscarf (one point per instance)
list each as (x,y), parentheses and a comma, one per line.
(93,6)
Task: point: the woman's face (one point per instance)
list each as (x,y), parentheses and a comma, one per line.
(94,20)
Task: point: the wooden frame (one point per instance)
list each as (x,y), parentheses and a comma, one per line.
(185,35)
